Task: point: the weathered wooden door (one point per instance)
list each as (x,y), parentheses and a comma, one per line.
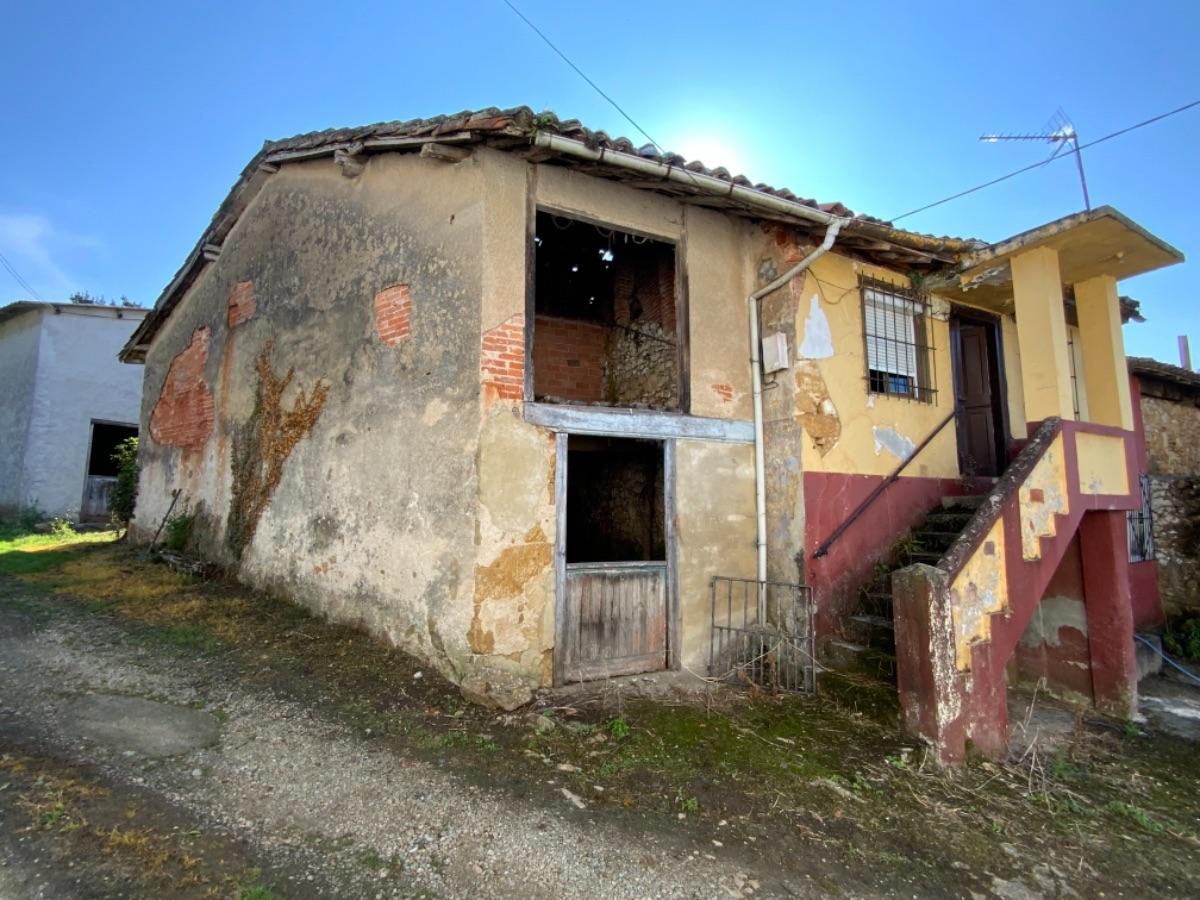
(978,397)
(96,491)
(616,620)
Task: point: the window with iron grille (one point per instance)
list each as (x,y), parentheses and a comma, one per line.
(1141,527)
(899,345)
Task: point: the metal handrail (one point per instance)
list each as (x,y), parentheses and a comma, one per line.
(880,488)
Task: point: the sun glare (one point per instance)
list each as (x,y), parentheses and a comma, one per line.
(713,151)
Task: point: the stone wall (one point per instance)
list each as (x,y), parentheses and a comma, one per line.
(1175,504)
(1172,432)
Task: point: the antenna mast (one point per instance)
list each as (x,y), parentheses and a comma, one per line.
(1060,132)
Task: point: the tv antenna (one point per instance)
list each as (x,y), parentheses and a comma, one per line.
(1060,132)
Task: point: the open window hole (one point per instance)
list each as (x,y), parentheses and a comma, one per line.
(606,325)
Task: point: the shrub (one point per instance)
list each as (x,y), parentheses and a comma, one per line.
(179,531)
(1182,638)
(29,516)
(124,493)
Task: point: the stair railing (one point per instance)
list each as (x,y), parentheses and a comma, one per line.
(880,488)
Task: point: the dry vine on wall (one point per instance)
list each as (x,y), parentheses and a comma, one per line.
(262,445)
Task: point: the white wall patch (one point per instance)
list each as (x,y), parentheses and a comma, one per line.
(891,440)
(818,339)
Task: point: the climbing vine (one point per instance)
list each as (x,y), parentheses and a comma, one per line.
(262,445)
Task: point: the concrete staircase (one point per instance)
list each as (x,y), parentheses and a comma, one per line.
(869,642)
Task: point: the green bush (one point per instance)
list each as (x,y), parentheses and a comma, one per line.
(124,493)
(1182,638)
(29,516)
(63,528)
(179,531)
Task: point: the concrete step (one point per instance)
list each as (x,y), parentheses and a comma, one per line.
(875,632)
(964,501)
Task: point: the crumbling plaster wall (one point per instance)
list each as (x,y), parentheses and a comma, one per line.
(373,520)
(516,530)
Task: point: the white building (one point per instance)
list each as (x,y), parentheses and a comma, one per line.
(66,402)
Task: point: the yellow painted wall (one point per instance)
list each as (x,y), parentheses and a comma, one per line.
(980,590)
(1102,468)
(834,282)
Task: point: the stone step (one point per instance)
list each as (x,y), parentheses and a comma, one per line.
(947,520)
(964,501)
(875,632)
(929,557)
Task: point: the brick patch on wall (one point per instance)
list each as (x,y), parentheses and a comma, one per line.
(502,361)
(183,414)
(568,358)
(393,314)
(724,391)
(242,303)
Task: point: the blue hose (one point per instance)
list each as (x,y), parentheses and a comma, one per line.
(1168,659)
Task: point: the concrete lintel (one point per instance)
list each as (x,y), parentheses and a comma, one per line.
(636,423)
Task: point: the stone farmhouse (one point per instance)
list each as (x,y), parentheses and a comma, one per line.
(542,406)
(1164,534)
(67,403)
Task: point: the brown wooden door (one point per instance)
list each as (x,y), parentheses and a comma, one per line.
(616,620)
(977,398)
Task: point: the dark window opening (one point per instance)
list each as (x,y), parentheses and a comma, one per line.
(615,505)
(105,438)
(605,328)
(898,340)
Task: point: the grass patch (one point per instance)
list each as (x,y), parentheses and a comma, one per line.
(26,553)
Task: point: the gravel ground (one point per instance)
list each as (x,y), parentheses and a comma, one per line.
(336,813)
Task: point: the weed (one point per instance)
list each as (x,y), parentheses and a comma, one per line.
(618,727)
(63,529)
(1182,638)
(179,531)
(256,891)
(1130,730)
(1138,815)
(899,761)
(1061,767)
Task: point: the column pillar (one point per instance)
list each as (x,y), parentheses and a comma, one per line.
(1042,335)
(1105,554)
(1103,348)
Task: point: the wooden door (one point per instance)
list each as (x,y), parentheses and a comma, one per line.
(978,399)
(615,620)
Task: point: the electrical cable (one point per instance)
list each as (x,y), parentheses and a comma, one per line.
(17,277)
(1039,164)
(581,74)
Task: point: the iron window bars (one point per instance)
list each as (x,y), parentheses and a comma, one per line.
(1141,527)
(898,341)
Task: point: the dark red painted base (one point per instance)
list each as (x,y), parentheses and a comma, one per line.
(829,498)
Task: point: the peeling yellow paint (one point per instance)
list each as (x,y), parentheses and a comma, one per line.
(979,591)
(815,410)
(1042,498)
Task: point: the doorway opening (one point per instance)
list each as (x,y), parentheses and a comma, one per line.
(606,323)
(979,393)
(614,586)
(101,473)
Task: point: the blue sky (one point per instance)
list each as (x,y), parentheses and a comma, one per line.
(125,124)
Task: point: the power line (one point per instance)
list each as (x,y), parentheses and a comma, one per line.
(1036,165)
(17,277)
(582,75)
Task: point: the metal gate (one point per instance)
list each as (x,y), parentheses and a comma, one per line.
(762,633)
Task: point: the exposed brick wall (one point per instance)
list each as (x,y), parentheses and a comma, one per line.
(393,314)
(242,303)
(568,359)
(183,414)
(1172,431)
(502,361)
